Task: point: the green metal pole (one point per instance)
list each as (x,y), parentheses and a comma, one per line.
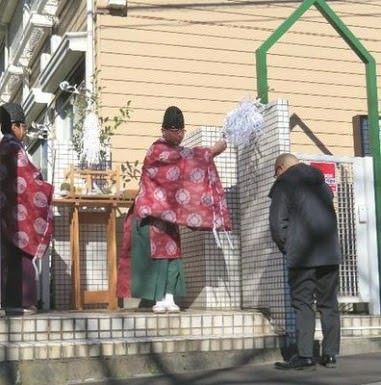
(374,132)
(261,62)
(262,84)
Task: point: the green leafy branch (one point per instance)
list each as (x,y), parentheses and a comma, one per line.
(130,171)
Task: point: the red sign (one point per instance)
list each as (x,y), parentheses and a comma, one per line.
(329,171)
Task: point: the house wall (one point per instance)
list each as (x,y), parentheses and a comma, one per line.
(201,57)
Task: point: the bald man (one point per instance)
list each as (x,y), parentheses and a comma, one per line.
(304,226)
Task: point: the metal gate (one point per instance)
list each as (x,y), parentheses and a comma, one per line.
(351,180)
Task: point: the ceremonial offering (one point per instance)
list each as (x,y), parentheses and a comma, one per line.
(244,122)
(91,141)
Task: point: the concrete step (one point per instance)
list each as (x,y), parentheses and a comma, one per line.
(87,348)
(82,361)
(67,348)
(105,325)
(65,326)
(356,326)
(73,347)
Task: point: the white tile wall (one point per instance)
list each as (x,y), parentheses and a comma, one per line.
(213,274)
(263,283)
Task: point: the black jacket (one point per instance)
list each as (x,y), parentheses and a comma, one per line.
(302,218)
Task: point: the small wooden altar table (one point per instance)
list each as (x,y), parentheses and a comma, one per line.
(83,212)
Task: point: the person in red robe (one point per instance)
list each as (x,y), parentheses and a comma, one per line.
(178,186)
(26,215)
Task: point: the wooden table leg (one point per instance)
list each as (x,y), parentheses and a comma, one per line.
(76,278)
(112,259)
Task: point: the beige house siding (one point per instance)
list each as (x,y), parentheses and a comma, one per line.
(201,57)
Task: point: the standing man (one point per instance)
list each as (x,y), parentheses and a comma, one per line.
(26,215)
(179,186)
(304,226)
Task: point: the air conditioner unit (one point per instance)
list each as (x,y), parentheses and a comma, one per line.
(117,3)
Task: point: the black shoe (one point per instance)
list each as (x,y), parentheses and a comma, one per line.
(329,361)
(296,363)
(20,311)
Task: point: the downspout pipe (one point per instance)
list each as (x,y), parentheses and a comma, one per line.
(89,67)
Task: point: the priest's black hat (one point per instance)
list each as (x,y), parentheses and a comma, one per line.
(11,112)
(173,118)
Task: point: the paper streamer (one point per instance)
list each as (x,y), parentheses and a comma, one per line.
(244,122)
(91,142)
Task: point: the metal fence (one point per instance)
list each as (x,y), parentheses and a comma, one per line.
(341,180)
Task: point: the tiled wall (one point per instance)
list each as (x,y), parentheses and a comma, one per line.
(213,274)
(252,275)
(263,276)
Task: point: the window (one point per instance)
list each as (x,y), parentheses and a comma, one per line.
(361,137)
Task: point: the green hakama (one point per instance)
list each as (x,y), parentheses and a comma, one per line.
(153,278)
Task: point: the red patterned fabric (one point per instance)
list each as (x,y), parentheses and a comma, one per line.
(179,186)
(25,199)
(124,264)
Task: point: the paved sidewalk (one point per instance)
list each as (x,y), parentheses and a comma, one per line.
(364,369)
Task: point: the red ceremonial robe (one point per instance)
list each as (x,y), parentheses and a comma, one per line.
(25,200)
(178,186)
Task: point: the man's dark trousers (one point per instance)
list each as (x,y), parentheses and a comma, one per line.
(308,285)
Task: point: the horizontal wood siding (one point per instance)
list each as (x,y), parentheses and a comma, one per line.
(200,55)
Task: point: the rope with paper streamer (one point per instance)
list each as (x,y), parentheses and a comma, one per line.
(244,122)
